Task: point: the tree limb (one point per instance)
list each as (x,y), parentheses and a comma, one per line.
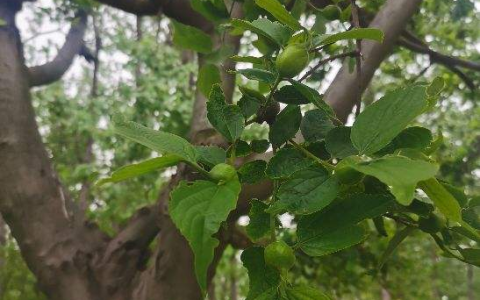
(391,19)
(54,70)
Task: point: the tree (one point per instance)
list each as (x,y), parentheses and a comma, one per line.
(71,257)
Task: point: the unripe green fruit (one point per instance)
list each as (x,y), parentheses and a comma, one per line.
(279,255)
(432,224)
(222,172)
(292,60)
(331,12)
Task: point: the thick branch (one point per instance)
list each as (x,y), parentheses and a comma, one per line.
(392,19)
(438,57)
(54,70)
(179,10)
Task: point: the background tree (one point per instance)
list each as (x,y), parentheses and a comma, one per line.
(99,266)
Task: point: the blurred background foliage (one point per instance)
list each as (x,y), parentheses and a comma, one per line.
(142,75)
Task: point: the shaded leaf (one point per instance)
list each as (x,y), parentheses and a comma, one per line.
(315,125)
(259,225)
(286,162)
(306,192)
(211,155)
(253,171)
(262,278)
(226,119)
(394,242)
(208,75)
(335,241)
(286,125)
(338,142)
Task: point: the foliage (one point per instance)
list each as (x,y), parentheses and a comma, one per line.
(396,157)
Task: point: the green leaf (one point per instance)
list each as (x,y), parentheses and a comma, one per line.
(442,199)
(198,210)
(144,167)
(314,97)
(315,125)
(162,142)
(211,155)
(400,173)
(396,240)
(338,142)
(285,126)
(208,75)
(415,137)
(258,75)
(259,146)
(259,225)
(385,119)
(286,162)
(253,172)
(305,293)
(306,192)
(249,105)
(248,59)
(288,94)
(212,10)
(471,255)
(226,119)
(262,278)
(354,34)
(279,12)
(335,241)
(188,37)
(273,31)
(342,214)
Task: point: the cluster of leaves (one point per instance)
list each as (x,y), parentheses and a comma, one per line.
(333,182)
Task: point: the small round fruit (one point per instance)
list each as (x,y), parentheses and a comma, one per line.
(292,60)
(279,255)
(268,114)
(432,224)
(222,172)
(331,12)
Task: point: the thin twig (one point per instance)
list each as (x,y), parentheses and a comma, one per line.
(326,60)
(356,24)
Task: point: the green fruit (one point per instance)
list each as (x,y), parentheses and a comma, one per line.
(331,12)
(432,224)
(222,172)
(279,255)
(292,60)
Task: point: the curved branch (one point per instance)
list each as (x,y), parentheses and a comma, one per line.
(391,19)
(179,10)
(438,57)
(54,70)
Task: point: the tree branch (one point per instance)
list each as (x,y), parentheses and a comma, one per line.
(391,19)
(54,70)
(438,57)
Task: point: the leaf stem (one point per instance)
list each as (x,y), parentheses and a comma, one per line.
(309,154)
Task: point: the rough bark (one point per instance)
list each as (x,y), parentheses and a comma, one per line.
(31,199)
(392,19)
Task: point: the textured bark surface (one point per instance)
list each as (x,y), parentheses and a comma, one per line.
(392,19)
